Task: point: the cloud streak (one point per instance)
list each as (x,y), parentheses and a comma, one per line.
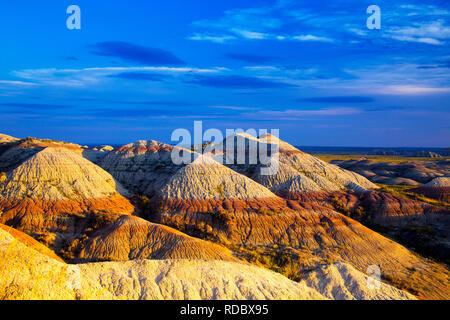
(293,115)
(140,76)
(135,53)
(251,58)
(338,99)
(421,24)
(435,32)
(91,76)
(237,82)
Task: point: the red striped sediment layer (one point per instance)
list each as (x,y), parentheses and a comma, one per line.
(37,215)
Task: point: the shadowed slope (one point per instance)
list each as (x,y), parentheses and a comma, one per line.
(379,207)
(30,242)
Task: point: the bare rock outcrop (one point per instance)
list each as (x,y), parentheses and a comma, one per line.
(29,242)
(418,225)
(190,280)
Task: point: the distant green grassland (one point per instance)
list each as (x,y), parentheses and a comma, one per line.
(396,159)
(404,191)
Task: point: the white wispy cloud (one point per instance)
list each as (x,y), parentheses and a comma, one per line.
(87,76)
(247,34)
(435,32)
(252,35)
(310,37)
(211,38)
(412,90)
(417,39)
(262,23)
(10,88)
(429,10)
(16,83)
(232,108)
(425,24)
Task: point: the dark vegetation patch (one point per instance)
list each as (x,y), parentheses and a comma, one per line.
(86,224)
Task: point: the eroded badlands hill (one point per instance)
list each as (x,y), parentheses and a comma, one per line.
(44,278)
(340,281)
(14,152)
(308,236)
(4,138)
(438,188)
(58,174)
(74,207)
(205,199)
(78,209)
(142,166)
(41,277)
(297,171)
(55,195)
(312,233)
(95,154)
(207,179)
(147,167)
(405,173)
(132,238)
(418,225)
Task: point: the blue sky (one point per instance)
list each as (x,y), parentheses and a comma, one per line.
(140,69)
